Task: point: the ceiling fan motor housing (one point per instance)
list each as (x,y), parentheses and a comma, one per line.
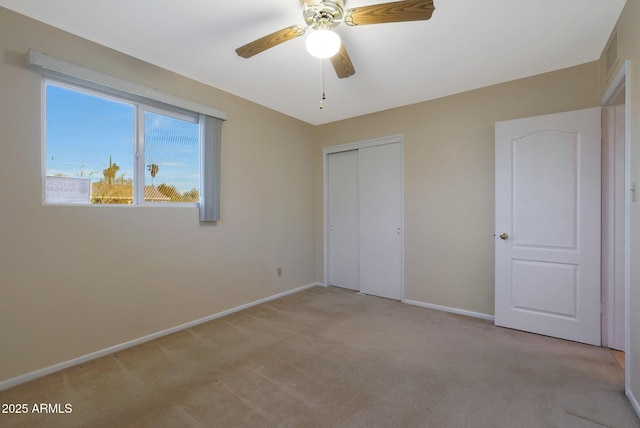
(323,14)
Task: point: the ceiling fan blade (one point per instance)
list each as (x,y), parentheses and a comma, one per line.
(398,11)
(342,63)
(270,40)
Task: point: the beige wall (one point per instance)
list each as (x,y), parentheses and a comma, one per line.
(628,32)
(448,178)
(74,280)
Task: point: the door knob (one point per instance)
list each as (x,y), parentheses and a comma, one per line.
(504,235)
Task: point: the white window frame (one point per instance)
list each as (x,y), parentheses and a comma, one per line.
(67,74)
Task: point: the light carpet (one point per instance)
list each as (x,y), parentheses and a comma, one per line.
(328,357)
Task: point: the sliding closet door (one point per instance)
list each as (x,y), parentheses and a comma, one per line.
(380,205)
(344,241)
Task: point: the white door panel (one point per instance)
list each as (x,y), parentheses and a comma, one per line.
(534,281)
(344,241)
(380,176)
(545,187)
(547,266)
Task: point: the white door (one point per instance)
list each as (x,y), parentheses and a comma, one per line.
(344,241)
(547,225)
(380,201)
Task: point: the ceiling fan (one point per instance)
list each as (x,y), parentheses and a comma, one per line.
(325,15)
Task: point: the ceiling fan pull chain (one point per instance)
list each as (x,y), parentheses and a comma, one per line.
(323,96)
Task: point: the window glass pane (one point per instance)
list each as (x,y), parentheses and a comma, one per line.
(171,158)
(103,149)
(89,145)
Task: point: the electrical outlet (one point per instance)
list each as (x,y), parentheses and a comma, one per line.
(279,271)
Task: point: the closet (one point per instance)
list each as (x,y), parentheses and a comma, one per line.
(364,217)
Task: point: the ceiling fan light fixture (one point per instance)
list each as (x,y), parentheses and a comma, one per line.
(323,43)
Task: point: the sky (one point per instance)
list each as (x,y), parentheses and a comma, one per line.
(84,132)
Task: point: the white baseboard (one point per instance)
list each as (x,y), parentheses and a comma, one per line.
(117,348)
(449,309)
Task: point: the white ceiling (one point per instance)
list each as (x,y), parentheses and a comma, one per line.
(467,44)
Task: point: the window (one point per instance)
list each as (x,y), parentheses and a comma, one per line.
(131,115)
(108,149)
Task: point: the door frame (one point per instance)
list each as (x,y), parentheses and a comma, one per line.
(619,83)
(326,151)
